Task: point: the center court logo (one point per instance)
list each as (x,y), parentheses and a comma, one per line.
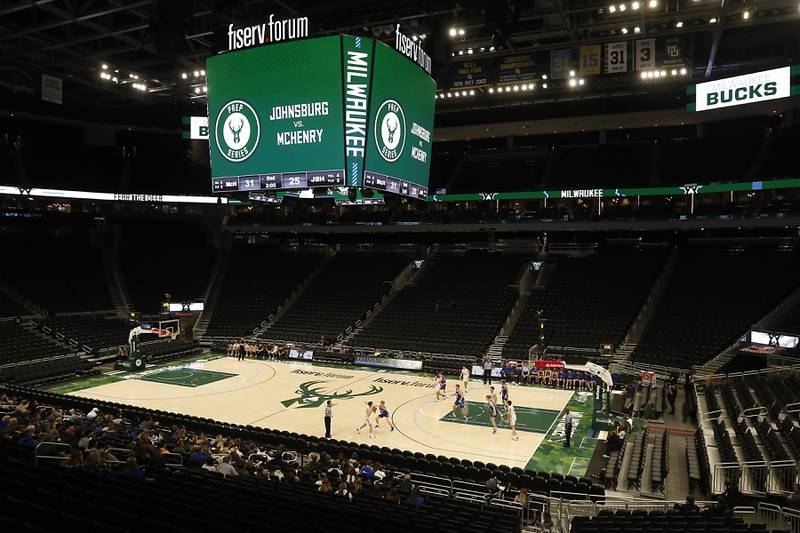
(310,396)
(390,130)
(237,130)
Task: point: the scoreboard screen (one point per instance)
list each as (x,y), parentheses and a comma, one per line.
(337,111)
(401,113)
(275,117)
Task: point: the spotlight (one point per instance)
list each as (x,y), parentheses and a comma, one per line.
(202,72)
(663,73)
(544,76)
(130,76)
(196,73)
(453,32)
(571,73)
(622,7)
(637,29)
(461,31)
(674,72)
(524,86)
(469,51)
(483,49)
(205,89)
(491,48)
(683,72)
(449,95)
(491,90)
(746,14)
(580,81)
(516,88)
(572,83)
(612,9)
(414,38)
(679,24)
(652,4)
(461,52)
(104,66)
(114,79)
(712,20)
(544,86)
(472,92)
(197,90)
(624,31)
(184,75)
(635,6)
(644,75)
(423,36)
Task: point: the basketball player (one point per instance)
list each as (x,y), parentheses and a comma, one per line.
(383,412)
(367,418)
(459,403)
(465,376)
(504,394)
(493,394)
(512,421)
(492,413)
(441,390)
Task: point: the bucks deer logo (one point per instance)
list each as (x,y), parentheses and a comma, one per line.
(237,130)
(310,394)
(390,130)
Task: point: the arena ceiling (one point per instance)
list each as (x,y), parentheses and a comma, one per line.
(148,46)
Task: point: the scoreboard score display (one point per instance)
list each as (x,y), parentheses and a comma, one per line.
(337,111)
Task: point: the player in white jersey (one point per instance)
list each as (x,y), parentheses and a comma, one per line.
(465,377)
(512,420)
(368,413)
(492,413)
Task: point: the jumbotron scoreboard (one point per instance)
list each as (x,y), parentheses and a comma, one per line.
(337,111)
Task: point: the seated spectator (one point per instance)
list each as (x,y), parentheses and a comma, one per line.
(226,468)
(495,488)
(28,439)
(325,485)
(131,469)
(689,506)
(415,498)
(343,492)
(613,443)
(522,496)
(210,465)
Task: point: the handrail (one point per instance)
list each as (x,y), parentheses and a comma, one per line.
(61,445)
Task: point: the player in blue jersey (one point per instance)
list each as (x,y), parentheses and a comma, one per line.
(492,412)
(441,386)
(504,394)
(570,379)
(459,403)
(383,412)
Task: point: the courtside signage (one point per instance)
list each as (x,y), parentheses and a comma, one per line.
(272,31)
(740,90)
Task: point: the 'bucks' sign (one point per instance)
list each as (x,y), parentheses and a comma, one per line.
(740,90)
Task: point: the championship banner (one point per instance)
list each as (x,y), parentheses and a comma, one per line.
(590,60)
(516,67)
(673,51)
(560,61)
(645,54)
(472,72)
(357,58)
(616,58)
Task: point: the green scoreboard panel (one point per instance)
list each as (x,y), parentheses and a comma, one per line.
(402,102)
(338,111)
(275,117)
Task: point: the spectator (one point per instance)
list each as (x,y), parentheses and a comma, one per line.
(210,465)
(494,486)
(689,506)
(226,468)
(131,469)
(613,443)
(732,497)
(343,492)
(522,496)
(75,458)
(393,495)
(325,485)
(415,498)
(27,438)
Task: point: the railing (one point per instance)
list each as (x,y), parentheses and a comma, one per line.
(39,455)
(758,478)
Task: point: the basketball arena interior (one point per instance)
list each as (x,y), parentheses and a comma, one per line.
(432,266)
